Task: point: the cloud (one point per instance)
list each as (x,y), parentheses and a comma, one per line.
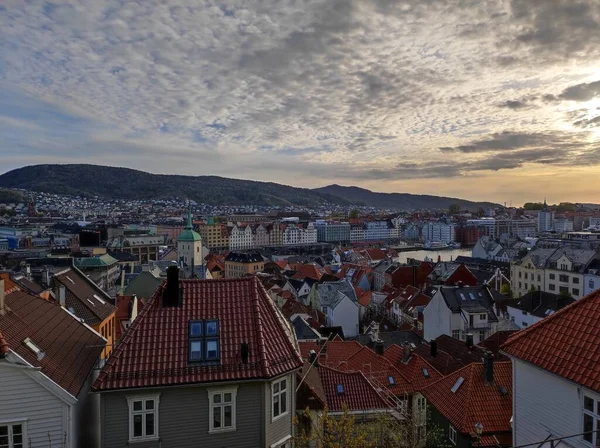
(588,123)
(358,90)
(582,92)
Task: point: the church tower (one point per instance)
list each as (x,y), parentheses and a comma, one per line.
(189,248)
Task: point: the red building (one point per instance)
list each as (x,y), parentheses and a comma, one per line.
(467,235)
(412,275)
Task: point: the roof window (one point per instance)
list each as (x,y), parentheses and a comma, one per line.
(339,388)
(97,297)
(203,341)
(458,383)
(426,372)
(34,348)
(391,380)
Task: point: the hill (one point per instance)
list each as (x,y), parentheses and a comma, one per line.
(401,201)
(8,196)
(125,183)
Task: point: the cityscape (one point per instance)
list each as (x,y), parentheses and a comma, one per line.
(299,224)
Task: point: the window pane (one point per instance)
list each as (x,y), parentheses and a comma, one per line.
(283,385)
(588,425)
(588,404)
(150,424)
(283,402)
(195,350)
(149,404)
(3,430)
(3,441)
(217,398)
(137,425)
(17,429)
(216,417)
(212,328)
(228,417)
(276,387)
(212,349)
(17,439)
(276,405)
(227,398)
(137,406)
(196,329)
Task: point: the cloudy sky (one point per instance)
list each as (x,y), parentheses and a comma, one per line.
(495,99)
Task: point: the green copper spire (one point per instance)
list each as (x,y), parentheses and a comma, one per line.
(188,234)
(189,220)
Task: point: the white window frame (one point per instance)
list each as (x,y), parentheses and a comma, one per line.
(222,391)
(595,418)
(9,424)
(287,398)
(452,434)
(421,404)
(132,413)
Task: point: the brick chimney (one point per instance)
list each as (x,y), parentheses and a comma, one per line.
(433,348)
(173,294)
(406,349)
(488,367)
(379,348)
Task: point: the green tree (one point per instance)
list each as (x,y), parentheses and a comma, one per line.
(353,214)
(505,290)
(565,294)
(454,209)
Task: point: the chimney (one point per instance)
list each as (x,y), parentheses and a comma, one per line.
(406,352)
(245,352)
(313,358)
(172,295)
(433,348)
(460,284)
(61,296)
(2,304)
(488,367)
(379,347)
(469,340)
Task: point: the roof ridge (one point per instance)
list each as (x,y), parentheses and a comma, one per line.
(525,332)
(261,348)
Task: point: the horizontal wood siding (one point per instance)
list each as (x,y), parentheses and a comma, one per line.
(23,398)
(184,419)
(282,427)
(544,405)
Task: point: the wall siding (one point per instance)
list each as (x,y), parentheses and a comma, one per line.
(22,397)
(282,427)
(184,418)
(544,405)
(436,318)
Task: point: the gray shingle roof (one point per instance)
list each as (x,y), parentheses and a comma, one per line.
(332,293)
(471,299)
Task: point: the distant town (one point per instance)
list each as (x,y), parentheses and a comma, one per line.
(428,328)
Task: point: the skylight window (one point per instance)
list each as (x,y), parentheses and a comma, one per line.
(92,303)
(471,296)
(203,341)
(339,388)
(458,383)
(391,381)
(97,297)
(425,372)
(34,348)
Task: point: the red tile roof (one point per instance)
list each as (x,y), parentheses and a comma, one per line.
(364,297)
(3,345)
(566,343)
(154,350)
(71,348)
(475,401)
(358,393)
(309,270)
(378,369)
(413,370)
(292,306)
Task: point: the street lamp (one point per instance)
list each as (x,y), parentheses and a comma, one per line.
(478,431)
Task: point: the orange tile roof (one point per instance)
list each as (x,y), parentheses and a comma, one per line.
(306,270)
(378,370)
(364,297)
(566,343)
(413,370)
(475,401)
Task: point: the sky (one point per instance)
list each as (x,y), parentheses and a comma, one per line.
(486,100)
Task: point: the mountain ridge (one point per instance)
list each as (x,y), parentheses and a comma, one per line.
(128,183)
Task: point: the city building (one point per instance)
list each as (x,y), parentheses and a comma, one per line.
(562,225)
(459,311)
(535,306)
(146,248)
(376,230)
(47,361)
(222,370)
(554,270)
(545,219)
(333,232)
(486,226)
(214,235)
(189,250)
(438,232)
(75,292)
(556,383)
(241,237)
(240,264)
(339,303)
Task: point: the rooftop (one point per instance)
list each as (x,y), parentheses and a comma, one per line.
(567,343)
(70,349)
(245,314)
(541,304)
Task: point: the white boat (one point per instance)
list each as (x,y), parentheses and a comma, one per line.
(435,245)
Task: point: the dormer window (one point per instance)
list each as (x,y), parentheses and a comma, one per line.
(203,337)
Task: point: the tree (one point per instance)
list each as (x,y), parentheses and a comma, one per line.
(384,431)
(454,209)
(505,290)
(353,214)
(565,294)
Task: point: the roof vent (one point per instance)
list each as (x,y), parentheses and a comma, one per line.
(34,348)
(245,351)
(339,389)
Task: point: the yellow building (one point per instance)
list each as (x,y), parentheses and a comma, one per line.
(239,264)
